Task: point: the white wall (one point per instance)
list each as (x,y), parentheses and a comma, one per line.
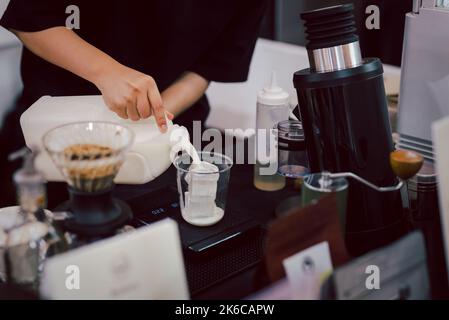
(10,52)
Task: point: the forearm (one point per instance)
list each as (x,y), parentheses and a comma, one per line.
(64,48)
(184,93)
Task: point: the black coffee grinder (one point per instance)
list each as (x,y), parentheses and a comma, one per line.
(344,113)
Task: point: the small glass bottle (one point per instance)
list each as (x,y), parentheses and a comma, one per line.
(272,107)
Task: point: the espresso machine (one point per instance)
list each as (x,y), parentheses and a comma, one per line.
(344,113)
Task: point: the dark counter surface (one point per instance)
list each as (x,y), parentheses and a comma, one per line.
(232,270)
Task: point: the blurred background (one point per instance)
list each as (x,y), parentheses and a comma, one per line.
(281,23)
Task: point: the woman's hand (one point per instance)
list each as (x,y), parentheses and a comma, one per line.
(132,95)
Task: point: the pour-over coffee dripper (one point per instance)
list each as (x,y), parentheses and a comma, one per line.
(89,156)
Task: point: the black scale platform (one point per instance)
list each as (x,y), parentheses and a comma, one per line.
(211,254)
(237,240)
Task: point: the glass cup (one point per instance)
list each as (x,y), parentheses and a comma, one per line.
(203,187)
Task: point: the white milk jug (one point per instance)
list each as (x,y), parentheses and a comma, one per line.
(148,158)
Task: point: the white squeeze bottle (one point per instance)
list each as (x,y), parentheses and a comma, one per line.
(272,107)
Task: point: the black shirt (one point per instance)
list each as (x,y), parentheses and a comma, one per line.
(161,38)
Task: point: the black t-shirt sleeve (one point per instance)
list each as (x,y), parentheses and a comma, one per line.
(229,57)
(34,15)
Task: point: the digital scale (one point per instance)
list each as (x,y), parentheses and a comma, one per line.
(210,253)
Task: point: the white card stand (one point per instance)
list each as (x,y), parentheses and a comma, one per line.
(306,271)
(146,264)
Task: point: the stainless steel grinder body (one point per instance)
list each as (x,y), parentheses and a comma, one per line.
(345,117)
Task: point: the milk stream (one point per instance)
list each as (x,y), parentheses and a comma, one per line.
(188,148)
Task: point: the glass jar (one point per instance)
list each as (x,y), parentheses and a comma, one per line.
(292,154)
